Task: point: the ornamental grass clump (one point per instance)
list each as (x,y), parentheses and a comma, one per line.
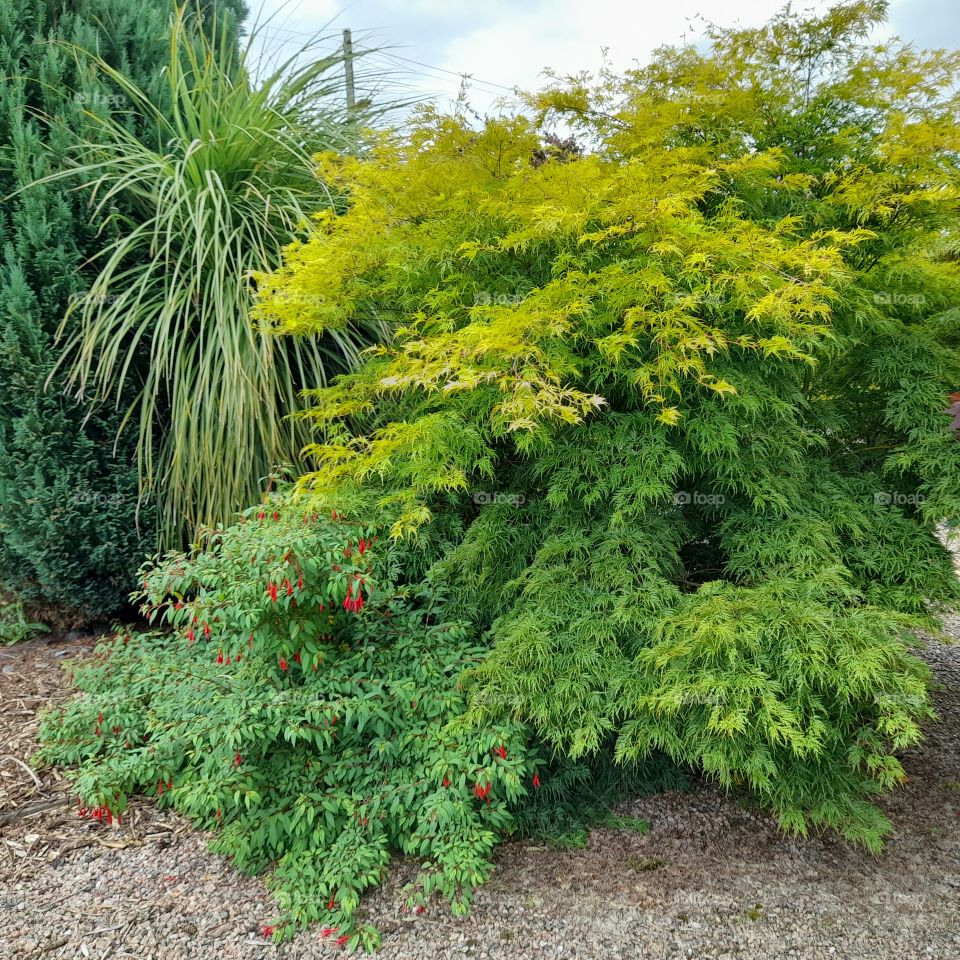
(297,702)
(221,178)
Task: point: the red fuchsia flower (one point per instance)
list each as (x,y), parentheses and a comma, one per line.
(228,661)
(362,546)
(261,515)
(100,717)
(347,550)
(219,656)
(501,752)
(536,780)
(421,909)
(237,760)
(296,657)
(333,514)
(353,602)
(272,590)
(96,729)
(283,664)
(342,940)
(289,586)
(160,788)
(170,784)
(267,931)
(326,931)
(333,900)
(238,657)
(276,516)
(300,582)
(219,814)
(446,781)
(191,636)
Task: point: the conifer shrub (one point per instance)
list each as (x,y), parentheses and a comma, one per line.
(71,524)
(300,701)
(682,385)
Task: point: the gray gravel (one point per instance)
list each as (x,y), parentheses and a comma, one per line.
(712,879)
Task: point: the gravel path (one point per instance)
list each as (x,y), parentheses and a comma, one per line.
(711,879)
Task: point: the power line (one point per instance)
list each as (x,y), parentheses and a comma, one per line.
(453,73)
(478,81)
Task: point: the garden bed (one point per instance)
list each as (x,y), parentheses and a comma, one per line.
(711,879)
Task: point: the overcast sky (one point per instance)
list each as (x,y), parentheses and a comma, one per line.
(427,44)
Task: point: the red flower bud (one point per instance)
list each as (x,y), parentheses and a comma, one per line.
(267,930)
(283,665)
(536,780)
(272,590)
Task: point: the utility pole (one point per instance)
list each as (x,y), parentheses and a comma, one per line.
(348,68)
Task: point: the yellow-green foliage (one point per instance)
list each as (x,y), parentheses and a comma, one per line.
(681,378)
